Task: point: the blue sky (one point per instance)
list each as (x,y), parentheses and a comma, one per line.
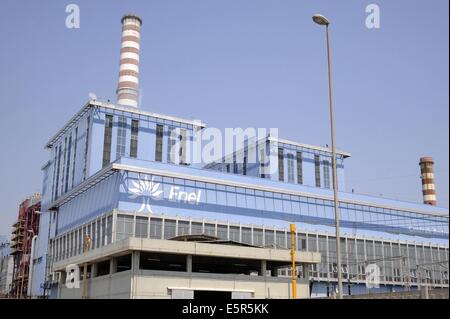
(247,63)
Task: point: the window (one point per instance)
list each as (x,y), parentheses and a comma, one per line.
(326,174)
(290,159)
(247,235)
(63,166)
(107,138)
(299,168)
(244,166)
(280,164)
(301,242)
(69,149)
(57,163)
(86,147)
(99,234)
(234,233)
(74,156)
(169,228)
(121,136)
(155,228)
(280,239)
(269,238)
(210,229)
(196,228)
(159,143)
(222,232)
(182,146)
(108,229)
(134,138)
(171,154)
(323,267)
(183,228)
(312,243)
(317,169)
(257,237)
(141,227)
(262,162)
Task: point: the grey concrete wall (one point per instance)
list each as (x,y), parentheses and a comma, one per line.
(415,294)
(115,286)
(159,285)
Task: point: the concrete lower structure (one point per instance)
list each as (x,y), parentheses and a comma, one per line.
(152,268)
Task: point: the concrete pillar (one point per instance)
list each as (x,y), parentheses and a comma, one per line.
(112,265)
(263,268)
(189,263)
(135,260)
(94,268)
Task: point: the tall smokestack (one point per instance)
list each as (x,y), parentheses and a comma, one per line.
(128,88)
(427,175)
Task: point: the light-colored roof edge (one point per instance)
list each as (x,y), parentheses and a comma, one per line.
(76,115)
(147,113)
(110,105)
(279,140)
(314,147)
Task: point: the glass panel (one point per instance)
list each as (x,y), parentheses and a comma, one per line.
(155,228)
(141,227)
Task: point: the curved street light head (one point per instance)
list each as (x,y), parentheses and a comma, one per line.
(320,19)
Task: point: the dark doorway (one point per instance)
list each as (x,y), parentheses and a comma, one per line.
(211,295)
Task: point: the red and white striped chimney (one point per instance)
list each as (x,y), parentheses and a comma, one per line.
(427,175)
(128,88)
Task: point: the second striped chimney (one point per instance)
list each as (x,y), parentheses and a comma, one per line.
(427,175)
(128,88)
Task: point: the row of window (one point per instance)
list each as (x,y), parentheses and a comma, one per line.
(175,134)
(398,262)
(306,208)
(64,162)
(73,243)
(121,138)
(149,119)
(299,162)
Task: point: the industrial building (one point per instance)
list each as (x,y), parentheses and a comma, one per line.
(6,268)
(24,234)
(119,211)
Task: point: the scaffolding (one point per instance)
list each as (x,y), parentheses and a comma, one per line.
(26,227)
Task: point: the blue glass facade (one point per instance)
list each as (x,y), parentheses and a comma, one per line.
(151,197)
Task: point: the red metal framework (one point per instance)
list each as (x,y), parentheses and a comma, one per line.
(24,229)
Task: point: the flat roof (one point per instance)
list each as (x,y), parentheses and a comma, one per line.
(284,141)
(313,147)
(109,105)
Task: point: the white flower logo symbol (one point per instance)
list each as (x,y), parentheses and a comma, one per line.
(147,189)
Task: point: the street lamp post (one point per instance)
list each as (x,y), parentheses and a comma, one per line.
(321,20)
